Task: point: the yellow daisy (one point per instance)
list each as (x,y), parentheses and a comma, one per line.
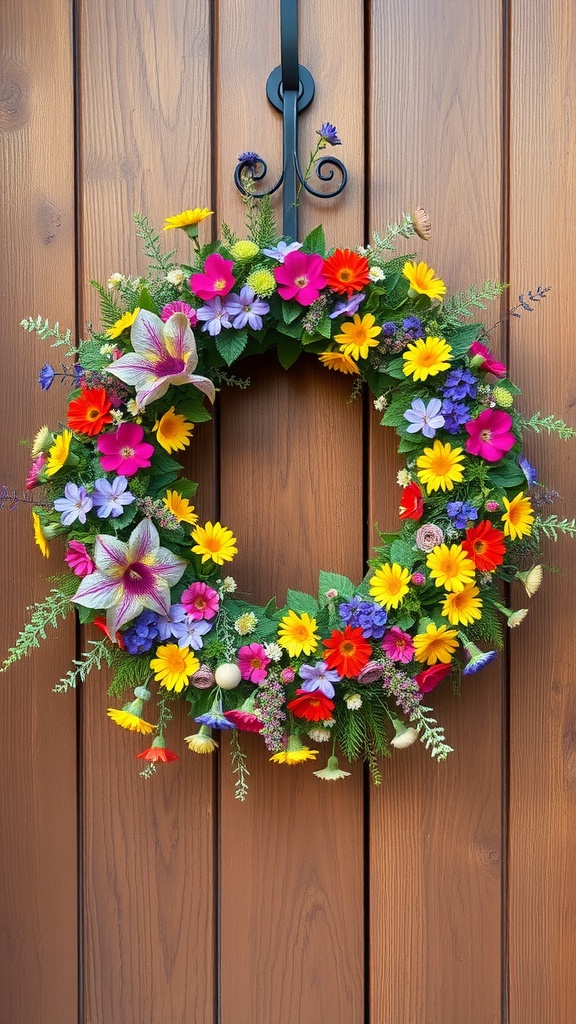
(214,542)
(338,361)
(359,336)
(122,324)
(39,537)
(296,634)
(295,753)
(173,666)
(422,280)
(129,721)
(426,358)
(439,466)
(188,218)
(450,567)
(463,606)
(389,584)
(201,742)
(518,517)
(180,507)
(438,643)
(58,453)
(173,431)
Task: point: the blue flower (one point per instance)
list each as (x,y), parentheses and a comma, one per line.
(46,376)
(455,414)
(348,307)
(329,134)
(424,418)
(246,309)
(319,677)
(460,512)
(74,506)
(412,326)
(190,632)
(167,623)
(460,383)
(249,159)
(477,661)
(389,329)
(370,617)
(216,315)
(109,498)
(529,470)
(281,251)
(141,633)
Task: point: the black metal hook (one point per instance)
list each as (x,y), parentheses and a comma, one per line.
(290,89)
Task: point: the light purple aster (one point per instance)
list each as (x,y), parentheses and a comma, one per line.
(348,307)
(110,497)
(318,677)
(215,314)
(329,133)
(280,251)
(189,632)
(424,418)
(246,309)
(74,506)
(169,622)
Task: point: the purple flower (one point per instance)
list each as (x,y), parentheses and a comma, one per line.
(190,632)
(412,327)
(167,623)
(329,134)
(348,307)
(460,512)
(460,383)
(215,721)
(282,250)
(46,376)
(424,418)
(368,616)
(319,677)
(215,315)
(455,414)
(74,506)
(249,158)
(246,309)
(109,498)
(528,469)
(141,634)
(389,329)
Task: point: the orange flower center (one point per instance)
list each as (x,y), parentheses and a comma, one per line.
(301,281)
(347,648)
(219,284)
(127,452)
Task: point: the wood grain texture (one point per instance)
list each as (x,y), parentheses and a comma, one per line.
(291,485)
(542,896)
(37,847)
(149,845)
(435,879)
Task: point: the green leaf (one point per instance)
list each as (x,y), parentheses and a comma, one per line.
(290,311)
(395,369)
(147,302)
(324,328)
(293,330)
(333,581)
(403,554)
(90,356)
(231,345)
(288,352)
(507,473)
(315,242)
(193,409)
(299,602)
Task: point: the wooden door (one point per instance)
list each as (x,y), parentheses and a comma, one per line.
(447,893)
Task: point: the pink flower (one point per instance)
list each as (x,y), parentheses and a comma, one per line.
(246,721)
(489,364)
(490,435)
(398,645)
(300,277)
(124,451)
(217,278)
(253,662)
(179,307)
(78,559)
(33,478)
(200,601)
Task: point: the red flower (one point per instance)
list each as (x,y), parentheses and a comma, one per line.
(347,651)
(100,622)
(158,751)
(485,546)
(411,502)
(431,676)
(346,271)
(89,413)
(314,707)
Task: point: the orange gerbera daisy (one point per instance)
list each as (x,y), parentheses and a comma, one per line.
(485,546)
(314,707)
(89,413)
(347,651)
(346,271)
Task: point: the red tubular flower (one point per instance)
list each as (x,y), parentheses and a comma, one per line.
(89,413)
(431,676)
(411,502)
(347,651)
(485,546)
(158,751)
(346,271)
(314,707)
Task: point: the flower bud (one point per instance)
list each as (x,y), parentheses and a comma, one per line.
(405,735)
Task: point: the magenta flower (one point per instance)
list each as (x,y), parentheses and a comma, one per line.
(246,721)
(253,662)
(490,435)
(123,451)
(164,354)
(200,601)
(398,645)
(33,478)
(489,364)
(217,278)
(300,277)
(78,559)
(179,307)
(130,576)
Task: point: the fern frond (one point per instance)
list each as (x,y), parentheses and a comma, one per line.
(128,671)
(431,734)
(260,221)
(460,305)
(44,330)
(45,613)
(538,423)
(109,311)
(99,653)
(159,263)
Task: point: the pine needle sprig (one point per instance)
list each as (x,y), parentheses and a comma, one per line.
(261,221)
(45,613)
(128,671)
(538,423)
(160,263)
(44,330)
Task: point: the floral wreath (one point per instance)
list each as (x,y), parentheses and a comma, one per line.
(351,668)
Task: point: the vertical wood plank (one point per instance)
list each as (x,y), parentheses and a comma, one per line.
(291,488)
(542,890)
(149,845)
(38,968)
(435,833)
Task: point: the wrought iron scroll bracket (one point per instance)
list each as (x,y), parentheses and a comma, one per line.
(290,89)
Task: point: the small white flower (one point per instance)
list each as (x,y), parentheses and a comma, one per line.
(376,274)
(353,701)
(117,416)
(114,281)
(246,623)
(273,651)
(107,350)
(132,407)
(403,478)
(380,403)
(319,735)
(175,277)
(228,585)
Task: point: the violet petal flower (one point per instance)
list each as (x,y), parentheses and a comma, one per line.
(110,497)
(281,251)
(215,315)
(348,307)
(75,505)
(319,677)
(426,419)
(246,309)
(189,632)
